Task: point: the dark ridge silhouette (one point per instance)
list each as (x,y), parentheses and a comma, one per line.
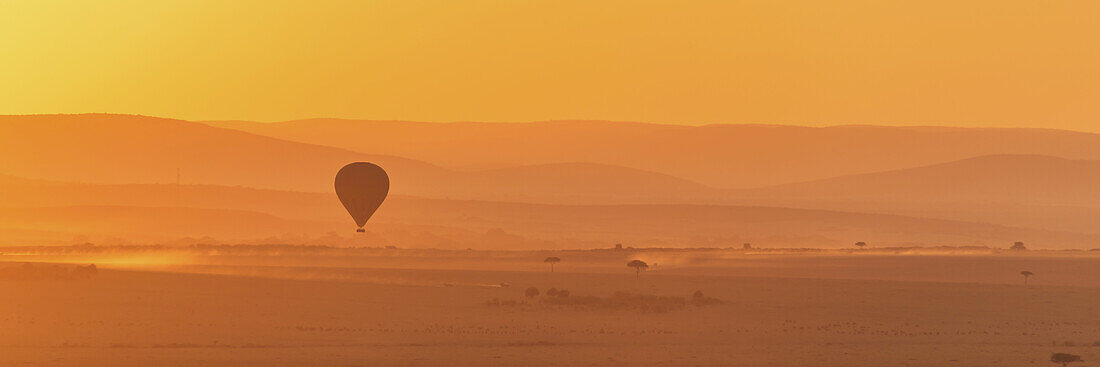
(751,155)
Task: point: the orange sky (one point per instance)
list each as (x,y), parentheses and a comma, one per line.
(969,63)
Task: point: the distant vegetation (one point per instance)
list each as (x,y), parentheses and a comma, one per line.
(552,260)
(698,299)
(290,249)
(555,298)
(531,292)
(37,272)
(638,266)
(1065,358)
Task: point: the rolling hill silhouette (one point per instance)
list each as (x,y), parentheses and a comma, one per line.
(1023,179)
(724,156)
(104,148)
(1031,190)
(53,212)
(100,148)
(134,152)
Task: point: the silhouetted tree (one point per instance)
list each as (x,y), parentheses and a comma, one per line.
(861,244)
(638,266)
(1065,358)
(618,246)
(552,260)
(747,246)
(1018,246)
(552,292)
(697,295)
(531,292)
(1026,275)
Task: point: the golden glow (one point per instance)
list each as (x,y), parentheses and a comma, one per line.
(974,63)
(110,261)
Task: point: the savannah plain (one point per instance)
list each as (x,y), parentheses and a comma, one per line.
(293,306)
(222,243)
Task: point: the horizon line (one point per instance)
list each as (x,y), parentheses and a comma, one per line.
(941,125)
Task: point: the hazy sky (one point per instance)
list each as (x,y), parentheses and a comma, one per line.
(966,63)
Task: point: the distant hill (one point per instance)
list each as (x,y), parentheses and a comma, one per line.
(49,212)
(102,148)
(724,156)
(580,183)
(133,159)
(1030,190)
(117,149)
(1023,179)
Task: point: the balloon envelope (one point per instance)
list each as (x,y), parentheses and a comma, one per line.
(362,187)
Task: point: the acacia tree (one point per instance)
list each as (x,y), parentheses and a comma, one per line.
(552,260)
(1065,358)
(638,266)
(860,244)
(1026,275)
(1018,246)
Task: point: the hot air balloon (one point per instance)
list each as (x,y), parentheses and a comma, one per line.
(361,187)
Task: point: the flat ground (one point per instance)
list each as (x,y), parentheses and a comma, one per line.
(840,310)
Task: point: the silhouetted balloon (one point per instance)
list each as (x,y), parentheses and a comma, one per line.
(362,187)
